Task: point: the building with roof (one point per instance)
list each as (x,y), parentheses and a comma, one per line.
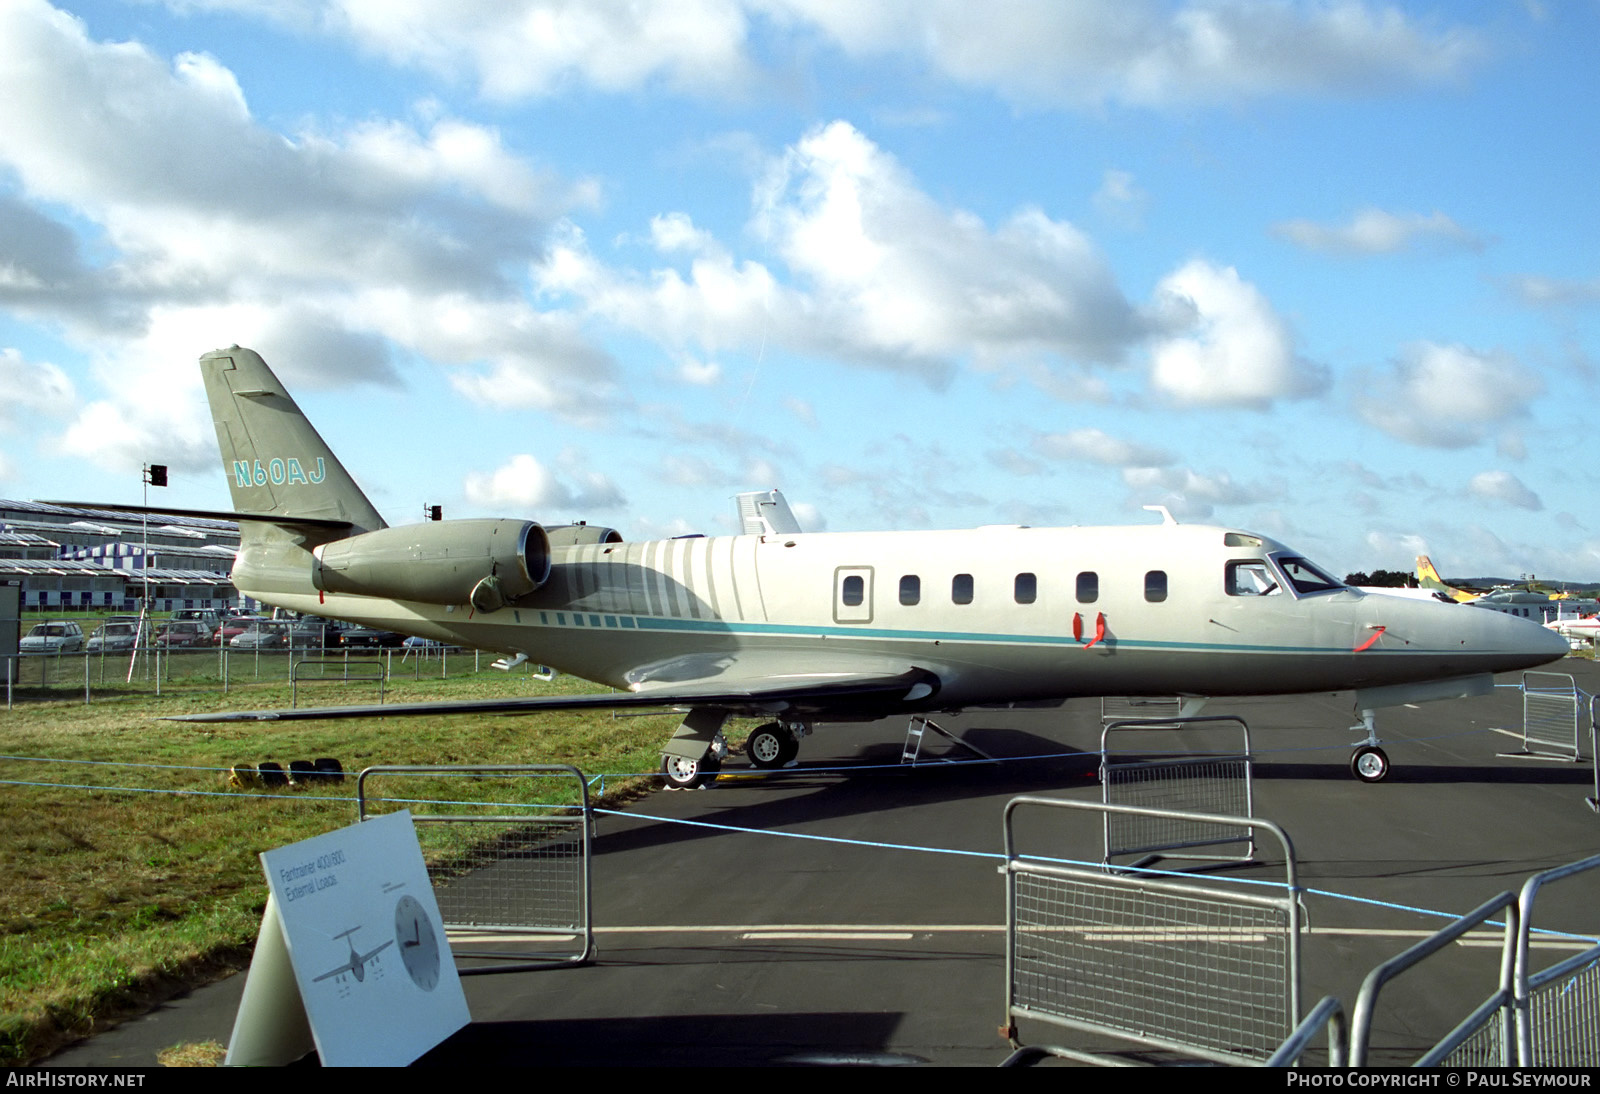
(74,558)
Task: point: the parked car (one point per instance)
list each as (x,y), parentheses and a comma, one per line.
(235,625)
(315,632)
(184,634)
(113,636)
(264,634)
(370,638)
(56,636)
(205,616)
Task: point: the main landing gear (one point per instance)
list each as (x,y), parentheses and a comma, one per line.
(694,755)
(1369,762)
(771,746)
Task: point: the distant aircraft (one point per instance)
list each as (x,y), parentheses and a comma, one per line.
(1586,627)
(812,628)
(1429,578)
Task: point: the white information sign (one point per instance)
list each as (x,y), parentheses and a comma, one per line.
(354,915)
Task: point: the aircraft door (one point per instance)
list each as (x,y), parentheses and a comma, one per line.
(852,594)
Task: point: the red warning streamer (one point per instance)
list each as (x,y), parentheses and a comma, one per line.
(1377,633)
(1099,628)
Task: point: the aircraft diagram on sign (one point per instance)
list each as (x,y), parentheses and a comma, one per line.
(813,628)
(356,965)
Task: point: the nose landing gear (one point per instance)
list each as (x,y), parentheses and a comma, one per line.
(1369,762)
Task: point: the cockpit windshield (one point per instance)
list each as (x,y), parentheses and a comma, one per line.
(1260,577)
(1305,577)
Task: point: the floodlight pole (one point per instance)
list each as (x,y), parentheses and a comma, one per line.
(154,474)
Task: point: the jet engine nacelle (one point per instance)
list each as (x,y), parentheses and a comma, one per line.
(486,563)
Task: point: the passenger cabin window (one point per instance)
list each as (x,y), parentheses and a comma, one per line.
(910,589)
(1155,586)
(853,591)
(1088,587)
(961,589)
(1026,588)
(1251,578)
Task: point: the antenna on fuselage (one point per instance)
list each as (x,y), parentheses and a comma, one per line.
(1166,516)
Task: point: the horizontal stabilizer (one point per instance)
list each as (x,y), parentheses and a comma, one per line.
(206,514)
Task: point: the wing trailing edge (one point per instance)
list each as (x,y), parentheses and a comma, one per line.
(832,694)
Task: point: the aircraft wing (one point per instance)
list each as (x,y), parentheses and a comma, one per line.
(866,694)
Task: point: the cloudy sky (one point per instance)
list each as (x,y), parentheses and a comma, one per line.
(1327,270)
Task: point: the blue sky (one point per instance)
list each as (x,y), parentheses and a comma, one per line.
(1327,271)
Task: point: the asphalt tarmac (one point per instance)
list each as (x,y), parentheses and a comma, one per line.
(850,912)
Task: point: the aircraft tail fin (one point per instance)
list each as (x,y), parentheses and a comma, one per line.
(1427,575)
(1428,578)
(766,512)
(277,464)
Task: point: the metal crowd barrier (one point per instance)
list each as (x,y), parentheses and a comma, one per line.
(501,874)
(369,672)
(1551,713)
(1544,1018)
(1217,783)
(1210,971)
(1594,752)
(1558,1008)
(1483,1038)
(1327,1013)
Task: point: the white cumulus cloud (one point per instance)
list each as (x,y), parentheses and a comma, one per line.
(1097,446)
(1376,231)
(524,484)
(1033,52)
(869,270)
(1505,488)
(1227,347)
(1448,396)
(30,388)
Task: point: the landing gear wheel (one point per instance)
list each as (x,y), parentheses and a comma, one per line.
(1369,764)
(682,774)
(771,746)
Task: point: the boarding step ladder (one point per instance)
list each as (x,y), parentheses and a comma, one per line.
(918,726)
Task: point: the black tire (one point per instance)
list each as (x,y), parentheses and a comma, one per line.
(771,746)
(1370,764)
(329,770)
(272,774)
(682,774)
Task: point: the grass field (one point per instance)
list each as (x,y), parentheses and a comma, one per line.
(131,865)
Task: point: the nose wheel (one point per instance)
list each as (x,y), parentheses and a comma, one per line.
(682,774)
(1370,764)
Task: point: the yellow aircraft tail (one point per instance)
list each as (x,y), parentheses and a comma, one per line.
(1429,578)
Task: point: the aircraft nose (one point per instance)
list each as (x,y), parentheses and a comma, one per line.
(1555,644)
(1523,643)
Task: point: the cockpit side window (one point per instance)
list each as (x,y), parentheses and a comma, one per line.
(1251,577)
(1305,577)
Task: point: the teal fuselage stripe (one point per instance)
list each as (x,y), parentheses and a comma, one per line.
(661,624)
